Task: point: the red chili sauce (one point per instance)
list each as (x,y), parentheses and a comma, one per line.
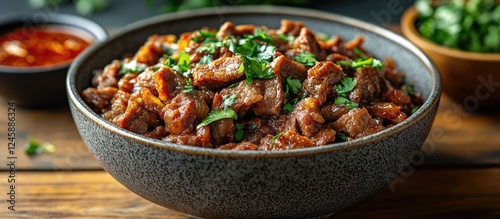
(40,46)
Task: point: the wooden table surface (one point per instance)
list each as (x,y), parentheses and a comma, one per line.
(459,177)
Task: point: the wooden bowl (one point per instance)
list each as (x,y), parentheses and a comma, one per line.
(472,79)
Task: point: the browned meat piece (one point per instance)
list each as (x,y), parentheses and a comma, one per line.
(357,123)
(273,96)
(136,118)
(168,83)
(332,112)
(118,105)
(99,100)
(305,117)
(126,82)
(349,47)
(391,73)
(368,86)
(290,27)
(334,57)
(109,75)
(256,130)
(146,80)
(245,145)
(226,29)
(387,111)
(150,52)
(180,115)
(398,97)
(288,68)
(330,44)
(243,29)
(284,141)
(222,130)
(158,133)
(218,74)
(324,136)
(321,79)
(149,101)
(306,41)
(246,96)
(201,138)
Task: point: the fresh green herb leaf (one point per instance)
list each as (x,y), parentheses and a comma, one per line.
(210,47)
(239,132)
(342,136)
(35,146)
(170,62)
(261,35)
(306,58)
(241,69)
(216,115)
(415,109)
(167,50)
(132,67)
(359,52)
(410,89)
(206,59)
(155,68)
(228,100)
(252,127)
(344,101)
(254,68)
(359,63)
(293,84)
(273,140)
(183,65)
(284,37)
(288,107)
(188,89)
(323,36)
(346,85)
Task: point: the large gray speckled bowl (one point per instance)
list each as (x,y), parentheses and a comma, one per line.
(211,183)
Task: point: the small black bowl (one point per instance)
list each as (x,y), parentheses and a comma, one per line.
(42,86)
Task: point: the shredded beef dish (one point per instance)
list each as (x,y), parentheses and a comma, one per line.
(247,87)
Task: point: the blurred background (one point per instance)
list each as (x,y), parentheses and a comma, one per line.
(117,13)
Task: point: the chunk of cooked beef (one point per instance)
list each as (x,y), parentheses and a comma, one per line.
(357,123)
(398,97)
(127,82)
(387,111)
(286,140)
(392,74)
(368,86)
(289,27)
(146,79)
(286,67)
(332,112)
(306,41)
(245,145)
(99,100)
(222,130)
(150,52)
(200,138)
(118,105)
(136,118)
(218,74)
(273,96)
(323,136)
(306,117)
(168,83)
(109,75)
(180,115)
(321,79)
(246,96)
(226,29)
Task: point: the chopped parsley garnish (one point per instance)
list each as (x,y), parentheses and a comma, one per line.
(167,50)
(342,136)
(252,127)
(415,109)
(346,85)
(203,36)
(361,62)
(35,146)
(188,89)
(132,67)
(206,59)
(228,100)
(292,87)
(284,37)
(410,89)
(261,35)
(210,47)
(182,66)
(306,58)
(359,52)
(273,140)
(255,68)
(238,137)
(216,115)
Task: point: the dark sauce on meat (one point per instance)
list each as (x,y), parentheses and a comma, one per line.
(245,87)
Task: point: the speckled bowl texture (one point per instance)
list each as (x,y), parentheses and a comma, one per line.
(301,183)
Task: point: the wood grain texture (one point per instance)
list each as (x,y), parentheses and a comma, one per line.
(427,193)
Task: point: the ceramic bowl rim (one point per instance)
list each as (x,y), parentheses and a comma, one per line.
(424,110)
(409,30)
(97,31)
